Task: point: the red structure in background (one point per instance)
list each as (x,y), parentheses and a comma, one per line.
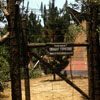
(77,67)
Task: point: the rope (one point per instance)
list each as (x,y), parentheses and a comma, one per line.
(52,87)
(71,69)
(71,77)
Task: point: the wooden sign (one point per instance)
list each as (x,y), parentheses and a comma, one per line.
(60,49)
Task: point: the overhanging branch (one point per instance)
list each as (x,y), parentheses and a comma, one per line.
(72,11)
(4,10)
(4,38)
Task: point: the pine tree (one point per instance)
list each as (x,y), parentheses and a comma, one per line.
(56,26)
(34,28)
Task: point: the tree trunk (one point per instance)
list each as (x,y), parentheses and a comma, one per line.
(93,56)
(14,49)
(95,39)
(90,64)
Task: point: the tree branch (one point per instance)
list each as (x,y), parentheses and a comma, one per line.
(4,38)
(4,10)
(73,15)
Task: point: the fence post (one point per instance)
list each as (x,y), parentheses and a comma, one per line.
(13,25)
(25,60)
(93,55)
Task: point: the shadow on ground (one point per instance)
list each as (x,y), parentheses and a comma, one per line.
(3,96)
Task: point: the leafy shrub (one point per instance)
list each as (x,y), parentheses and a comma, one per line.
(4,63)
(4,69)
(34,74)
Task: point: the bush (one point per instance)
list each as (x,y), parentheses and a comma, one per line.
(4,63)
(4,69)
(34,74)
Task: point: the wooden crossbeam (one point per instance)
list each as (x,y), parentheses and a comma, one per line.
(37,45)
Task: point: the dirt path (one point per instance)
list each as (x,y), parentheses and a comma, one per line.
(46,89)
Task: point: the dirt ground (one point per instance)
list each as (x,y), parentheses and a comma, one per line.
(45,89)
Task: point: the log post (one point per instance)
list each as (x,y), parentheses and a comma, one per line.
(93,55)
(95,41)
(90,66)
(13,23)
(25,60)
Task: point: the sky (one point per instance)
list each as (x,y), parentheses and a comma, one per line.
(36,3)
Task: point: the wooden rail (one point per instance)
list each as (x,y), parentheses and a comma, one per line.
(36,45)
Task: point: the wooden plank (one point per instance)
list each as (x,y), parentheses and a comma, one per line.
(37,45)
(25,60)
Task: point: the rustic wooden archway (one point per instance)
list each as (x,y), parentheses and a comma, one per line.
(93,53)
(51,67)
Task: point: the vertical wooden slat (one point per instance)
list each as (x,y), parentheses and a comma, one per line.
(25,58)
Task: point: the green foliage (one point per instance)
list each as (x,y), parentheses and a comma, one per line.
(4,58)
(74,31)
(97,2)
(46,69)
(34,28)
(56,22)
(34,73)
(4,55)
(4,64)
